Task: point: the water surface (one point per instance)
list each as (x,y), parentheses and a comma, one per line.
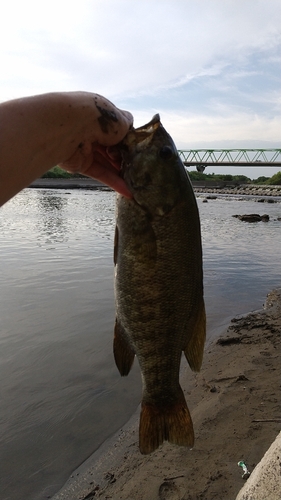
(61,394)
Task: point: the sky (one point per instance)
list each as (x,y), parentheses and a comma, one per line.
(211,68)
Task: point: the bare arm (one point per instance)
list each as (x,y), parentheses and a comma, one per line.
(72,129)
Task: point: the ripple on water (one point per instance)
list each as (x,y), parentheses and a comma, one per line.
(61,394)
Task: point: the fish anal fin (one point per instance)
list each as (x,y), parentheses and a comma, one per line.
(123,352)
(165,423)
(195,347)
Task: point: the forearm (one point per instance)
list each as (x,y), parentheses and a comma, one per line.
(37,133)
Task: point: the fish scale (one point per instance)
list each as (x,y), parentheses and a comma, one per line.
(158,282)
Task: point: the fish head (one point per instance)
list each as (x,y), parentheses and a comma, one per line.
(152,168)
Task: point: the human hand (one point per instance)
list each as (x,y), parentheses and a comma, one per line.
(107,127)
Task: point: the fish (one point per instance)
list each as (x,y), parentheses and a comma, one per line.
(159,298)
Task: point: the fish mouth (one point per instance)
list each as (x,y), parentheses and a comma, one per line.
(139,138)
(150,126)
(136,140)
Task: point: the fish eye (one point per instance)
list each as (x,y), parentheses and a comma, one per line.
(166,152)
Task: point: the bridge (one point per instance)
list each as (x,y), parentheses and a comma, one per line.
(201,158)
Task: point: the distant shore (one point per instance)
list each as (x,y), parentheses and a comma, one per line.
(234,403)
(75,183)
(198,186)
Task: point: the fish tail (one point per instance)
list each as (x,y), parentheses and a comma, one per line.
(171,422)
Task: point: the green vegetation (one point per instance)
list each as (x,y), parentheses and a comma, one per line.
(260,180)
(275,179)
(59,173)
(199,176)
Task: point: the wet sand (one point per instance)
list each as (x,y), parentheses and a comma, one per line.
(235,407)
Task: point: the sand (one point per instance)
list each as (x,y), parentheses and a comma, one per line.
(235,407)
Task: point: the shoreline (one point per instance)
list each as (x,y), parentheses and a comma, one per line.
(234,403)
(75,183)
(199,187)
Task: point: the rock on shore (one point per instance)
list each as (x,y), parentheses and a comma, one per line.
(242,190)
(265,481)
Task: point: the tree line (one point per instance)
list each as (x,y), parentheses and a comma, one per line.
(57,172)
(200,176)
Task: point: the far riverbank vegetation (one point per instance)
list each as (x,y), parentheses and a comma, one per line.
(58,173)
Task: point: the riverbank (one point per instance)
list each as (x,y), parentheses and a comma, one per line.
(75,183)
(235,405)
(242,190)
(199,187)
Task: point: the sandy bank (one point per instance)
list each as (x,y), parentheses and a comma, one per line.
(235,406)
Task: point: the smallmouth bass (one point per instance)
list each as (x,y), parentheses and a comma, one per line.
(160,310)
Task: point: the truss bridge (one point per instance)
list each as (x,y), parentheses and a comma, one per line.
(202,158)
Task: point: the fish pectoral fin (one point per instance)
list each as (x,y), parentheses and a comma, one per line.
(171,422)
(124,355)
(195,347)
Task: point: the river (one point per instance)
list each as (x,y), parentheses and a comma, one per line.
(61,394)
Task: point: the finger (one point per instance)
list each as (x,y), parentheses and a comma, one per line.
(102,170)
(116,183)
(128,116)
(113,122)
(111,155)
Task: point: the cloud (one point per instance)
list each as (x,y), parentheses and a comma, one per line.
(211,67)
(196,130)
(205,129)
(130,47)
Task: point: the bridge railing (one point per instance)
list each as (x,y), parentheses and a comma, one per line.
(231,157)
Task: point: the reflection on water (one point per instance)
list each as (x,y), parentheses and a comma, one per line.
(62,395)
(242,261)
(53,219)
